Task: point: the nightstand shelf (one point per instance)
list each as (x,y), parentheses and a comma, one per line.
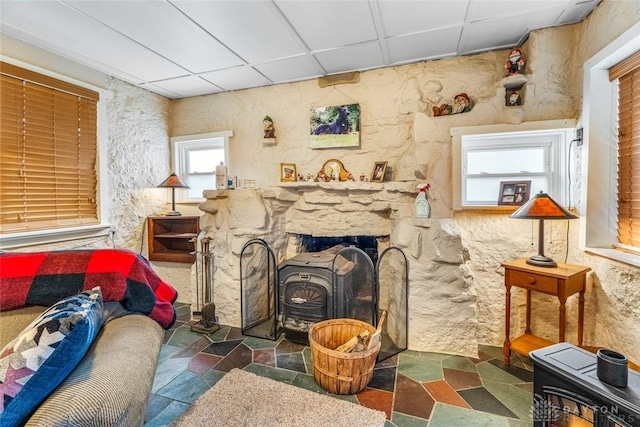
(172,238)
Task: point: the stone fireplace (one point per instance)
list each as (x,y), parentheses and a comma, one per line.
(441,299)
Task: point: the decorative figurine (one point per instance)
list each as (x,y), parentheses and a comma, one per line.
(269,128)
(514,98)
(461,104)
(515,64)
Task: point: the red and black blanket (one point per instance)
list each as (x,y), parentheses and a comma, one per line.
(43,278)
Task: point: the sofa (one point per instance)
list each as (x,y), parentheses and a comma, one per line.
(105,378)
(111,384)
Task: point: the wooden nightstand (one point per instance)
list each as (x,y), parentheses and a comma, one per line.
(171,238)
(561,281)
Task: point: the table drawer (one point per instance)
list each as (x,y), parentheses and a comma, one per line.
(535,282)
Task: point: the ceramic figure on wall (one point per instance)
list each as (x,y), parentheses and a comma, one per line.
(515,64)
(269,128)
(514,98)
(461,104)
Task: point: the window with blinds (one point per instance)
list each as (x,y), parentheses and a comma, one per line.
(48,152)
(628,75)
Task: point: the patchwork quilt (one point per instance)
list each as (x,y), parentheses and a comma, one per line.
(42,278)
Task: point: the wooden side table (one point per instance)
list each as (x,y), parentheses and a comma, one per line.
(561,281)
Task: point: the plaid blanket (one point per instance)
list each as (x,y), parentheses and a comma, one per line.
(42,278)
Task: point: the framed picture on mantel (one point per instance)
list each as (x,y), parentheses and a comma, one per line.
(514,193)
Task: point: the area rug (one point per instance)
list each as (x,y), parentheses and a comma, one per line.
(242,399)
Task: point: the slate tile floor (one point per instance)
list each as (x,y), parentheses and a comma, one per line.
(412,388)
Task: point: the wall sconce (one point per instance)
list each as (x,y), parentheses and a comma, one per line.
(542,207)
(173,182)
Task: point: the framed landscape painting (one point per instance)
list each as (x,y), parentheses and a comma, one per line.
(336,126)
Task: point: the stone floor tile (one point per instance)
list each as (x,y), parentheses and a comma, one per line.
(523,374)
(459,362)
(239,357)
(517,400)
(285,346)
(421,369)
(459,380)
(442,392)
(307,382)
(222,348)
(489,372)
(411,398)
(259,343)
(481,400)
(453,416)
(384,379)
(291,361)
(402,420)
(376,399)
(202,362)
(193,348)
(265,357)
(185,388)
(277,374)
(168,414)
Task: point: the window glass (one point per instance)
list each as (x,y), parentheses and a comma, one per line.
(195,158)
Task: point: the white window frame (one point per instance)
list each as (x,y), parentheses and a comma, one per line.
(598,230)
(56,235)
(182,145)
(552,135)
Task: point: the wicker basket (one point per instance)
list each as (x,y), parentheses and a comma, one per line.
(334,371)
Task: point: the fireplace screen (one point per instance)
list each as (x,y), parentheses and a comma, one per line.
(258,291)
(393,286)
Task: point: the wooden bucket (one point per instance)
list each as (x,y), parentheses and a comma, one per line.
(334,371)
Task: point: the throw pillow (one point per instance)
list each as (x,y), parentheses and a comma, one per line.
(45,353)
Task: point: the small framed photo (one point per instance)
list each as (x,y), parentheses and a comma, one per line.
(514,193)
(249,183)
(379,169)
(288,172)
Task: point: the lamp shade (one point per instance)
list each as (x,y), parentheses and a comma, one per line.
(542,207)
(173,182)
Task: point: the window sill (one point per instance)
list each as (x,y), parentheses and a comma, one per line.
(615,255)
(42,237)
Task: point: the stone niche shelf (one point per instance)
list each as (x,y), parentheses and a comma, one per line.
(514,82)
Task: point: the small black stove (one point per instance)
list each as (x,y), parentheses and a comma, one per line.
(567,391)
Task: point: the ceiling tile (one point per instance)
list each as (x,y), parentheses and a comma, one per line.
(406,17)
(578,12)
(324,24)
(431,45)
(481,9)
(480,34)
(291,69)
(84,40)
(236,78)
(360,57)
(187,86)
(163,29)
(254,30)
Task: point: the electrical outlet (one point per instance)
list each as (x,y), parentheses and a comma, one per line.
(579,137)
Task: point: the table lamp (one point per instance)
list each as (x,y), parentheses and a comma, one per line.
(173,182)
(542,207)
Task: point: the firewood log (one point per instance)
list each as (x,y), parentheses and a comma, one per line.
(349,346)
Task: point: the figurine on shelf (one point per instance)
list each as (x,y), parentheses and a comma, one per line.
(514,98)
(515,64)
(461,104)
(269,128)
(301,177)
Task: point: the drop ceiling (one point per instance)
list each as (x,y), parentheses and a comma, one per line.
(184,48)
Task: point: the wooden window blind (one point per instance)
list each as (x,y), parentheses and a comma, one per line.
(628,150)
(48,152)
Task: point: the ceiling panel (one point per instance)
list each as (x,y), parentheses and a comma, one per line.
(433,44)
(253,29)
(180,48)
(164,30)
(88,40)
(360,57)
(407,17)
(188,86)
(291,69)
(236,78)
(330,23)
